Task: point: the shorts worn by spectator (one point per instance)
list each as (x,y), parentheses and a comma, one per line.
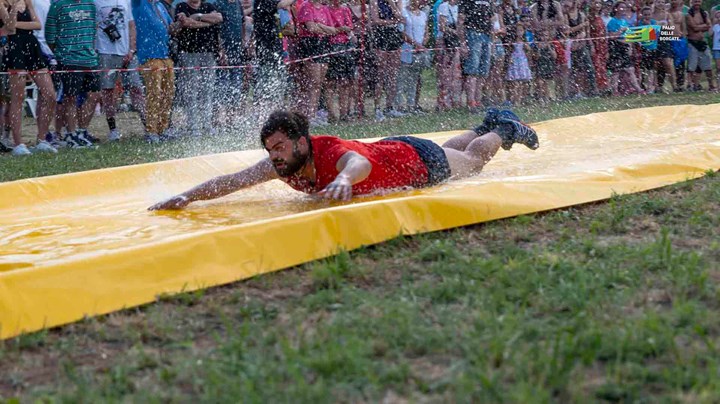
(699,56)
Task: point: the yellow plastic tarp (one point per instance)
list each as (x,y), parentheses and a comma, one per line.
(83,244)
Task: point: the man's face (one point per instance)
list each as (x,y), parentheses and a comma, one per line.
(696,3)
(287,156)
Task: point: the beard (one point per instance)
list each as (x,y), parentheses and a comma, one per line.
(292,165)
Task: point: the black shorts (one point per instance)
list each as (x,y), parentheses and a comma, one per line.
(342,65)
(387,38)
(76,83)
(665,50)
(648,58)
(311,46)
(431,154)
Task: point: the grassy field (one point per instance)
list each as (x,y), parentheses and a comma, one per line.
(613,301)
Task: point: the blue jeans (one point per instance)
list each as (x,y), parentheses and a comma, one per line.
(477,62)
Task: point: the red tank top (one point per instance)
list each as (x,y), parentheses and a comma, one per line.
(394,165)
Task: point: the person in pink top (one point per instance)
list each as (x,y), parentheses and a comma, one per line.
(341,66)
(315,29)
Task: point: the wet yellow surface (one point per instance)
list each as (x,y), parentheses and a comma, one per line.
(84,243)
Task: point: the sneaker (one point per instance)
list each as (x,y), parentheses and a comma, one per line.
(379,116)
(54,140)
(21,150)
(73,141)
(491,121)
(152,138)
(114,135)
(5,145)
(171,133)
(513,131)
(44,147)
(86,135)
(394,113)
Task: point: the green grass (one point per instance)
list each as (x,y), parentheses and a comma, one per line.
(563,306)
(608,302)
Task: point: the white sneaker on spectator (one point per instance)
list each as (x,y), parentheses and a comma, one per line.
(114,135)
(379,116)
(394,113)
(21,150)
(314,122)
(45,147)
(152,138)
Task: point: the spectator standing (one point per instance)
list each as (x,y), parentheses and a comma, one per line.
(548,14)
(620,59)
(544,65)
(414,56)
(267,47)
(648,56)
(199,45)
(716,42)
(6,144)
(698,24)
(387,35)
(598,31)
(316,28)
(582,68)
(664,51)
(680,47)
(116,45)
(41,10)
(341,67)
(154,25)
(475,28)
(232,43)
(23,58)
(519,75)
(70,31)
(450,88)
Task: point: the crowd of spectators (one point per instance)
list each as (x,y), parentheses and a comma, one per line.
(192,63)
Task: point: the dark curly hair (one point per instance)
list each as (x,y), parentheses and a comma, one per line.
(293,124)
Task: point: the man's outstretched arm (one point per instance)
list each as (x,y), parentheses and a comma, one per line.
(218,187)
(352,168)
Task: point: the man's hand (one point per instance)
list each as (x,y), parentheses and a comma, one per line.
(127,59)
(340,189)
(174,203)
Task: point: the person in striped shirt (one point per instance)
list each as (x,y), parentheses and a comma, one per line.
(70,31)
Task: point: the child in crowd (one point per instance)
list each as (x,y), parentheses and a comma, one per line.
(519,75)
(545,57)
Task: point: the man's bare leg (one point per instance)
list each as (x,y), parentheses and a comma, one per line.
(472,158)
(461,141)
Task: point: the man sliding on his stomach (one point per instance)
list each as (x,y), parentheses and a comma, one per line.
(338,169)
